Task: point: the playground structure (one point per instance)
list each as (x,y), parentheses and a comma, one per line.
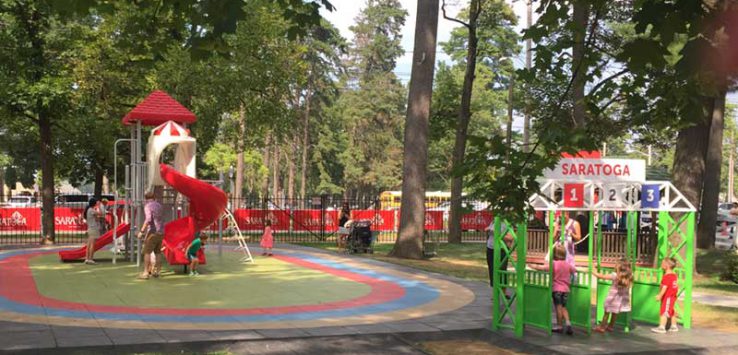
(189,205)
(524,304)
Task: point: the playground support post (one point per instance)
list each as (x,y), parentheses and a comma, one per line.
(115,193)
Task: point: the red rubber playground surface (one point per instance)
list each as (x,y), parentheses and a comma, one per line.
(297,288)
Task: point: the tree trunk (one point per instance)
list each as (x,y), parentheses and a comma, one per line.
(2,184)
(47,178)
(267,164)
(305,142)
(275,171)
(711,187)
(240,147)
(581,17)
(415,158)
(462,126)
(97,189)
(528,58)
(689,159)
(291,172)
(106,185)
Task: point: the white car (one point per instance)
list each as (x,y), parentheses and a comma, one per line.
(725,233)
(22,201)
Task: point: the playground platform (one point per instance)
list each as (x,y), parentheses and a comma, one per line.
(302,300)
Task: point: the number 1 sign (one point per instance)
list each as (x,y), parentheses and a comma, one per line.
(574,195)
(650,196)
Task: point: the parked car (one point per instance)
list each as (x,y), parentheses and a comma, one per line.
(725,207)
(466,207)
(22,201)
(77,200)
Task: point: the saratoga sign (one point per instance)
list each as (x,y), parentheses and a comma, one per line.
(605,170)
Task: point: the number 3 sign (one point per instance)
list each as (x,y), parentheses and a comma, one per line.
(650,196)
(574,195)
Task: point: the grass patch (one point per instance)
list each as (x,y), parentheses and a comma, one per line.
(710,263)
(715,317)
(466,261)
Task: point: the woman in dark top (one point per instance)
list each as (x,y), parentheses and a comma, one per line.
(345,215)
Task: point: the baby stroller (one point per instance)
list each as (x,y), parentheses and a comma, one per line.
(360,237)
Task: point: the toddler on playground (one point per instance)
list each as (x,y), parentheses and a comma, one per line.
(668,297)
(192,250)
(267,239)
(562,272)
(618,299)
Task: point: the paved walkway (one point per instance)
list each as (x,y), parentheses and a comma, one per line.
(715,299)
(470,322)
(419,302)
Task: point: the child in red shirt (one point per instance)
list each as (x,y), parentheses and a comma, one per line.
(668,297)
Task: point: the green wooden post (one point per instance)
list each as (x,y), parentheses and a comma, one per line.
(632,225)
(496,277)
(688,271)
(600,300)
(551,262)
(590,245)
(521,247)
(662,249)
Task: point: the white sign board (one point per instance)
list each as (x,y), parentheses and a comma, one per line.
(598,170)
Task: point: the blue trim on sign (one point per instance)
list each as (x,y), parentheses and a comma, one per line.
(416,293)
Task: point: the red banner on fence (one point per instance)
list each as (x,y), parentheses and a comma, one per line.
(20,219)
(312,220)
(254,219)
(382,220)
(434,220)
(68,219)
(477,220)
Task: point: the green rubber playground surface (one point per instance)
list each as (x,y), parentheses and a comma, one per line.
(224,283)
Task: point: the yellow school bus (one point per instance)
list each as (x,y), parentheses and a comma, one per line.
(390,200)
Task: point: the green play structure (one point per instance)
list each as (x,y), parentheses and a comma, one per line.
(522,296)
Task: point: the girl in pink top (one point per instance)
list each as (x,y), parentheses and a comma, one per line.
(562,271)
(267,240)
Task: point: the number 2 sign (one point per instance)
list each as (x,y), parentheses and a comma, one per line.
(650,196)
(613,195)
(574,195)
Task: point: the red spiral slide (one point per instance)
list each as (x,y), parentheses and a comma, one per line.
(207,203)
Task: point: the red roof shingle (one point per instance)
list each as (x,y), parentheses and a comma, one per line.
(158,108)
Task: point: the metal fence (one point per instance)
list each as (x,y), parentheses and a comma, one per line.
(308,220)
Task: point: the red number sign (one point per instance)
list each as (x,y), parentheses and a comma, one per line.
(573,195)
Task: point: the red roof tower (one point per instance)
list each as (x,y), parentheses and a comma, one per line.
(158,108)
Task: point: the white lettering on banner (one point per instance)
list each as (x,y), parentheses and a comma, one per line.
(429,220)
(328,219)
(15,220)
(68,220)
(610,170)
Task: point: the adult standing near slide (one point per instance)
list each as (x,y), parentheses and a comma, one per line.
(92,216)
(153,228)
